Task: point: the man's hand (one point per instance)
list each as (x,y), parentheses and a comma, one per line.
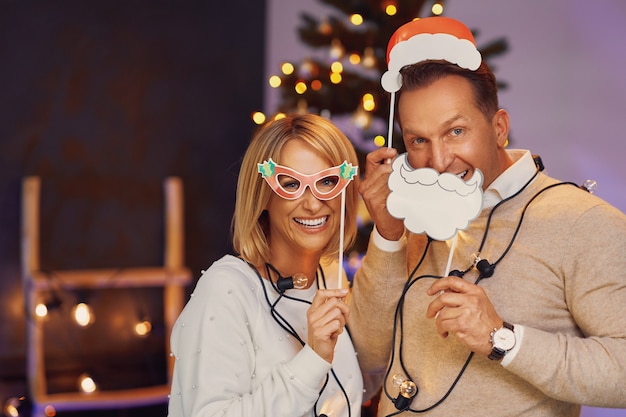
(374,189)
(463,310)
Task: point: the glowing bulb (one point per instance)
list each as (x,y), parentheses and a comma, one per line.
(356,19)
(86,384)
(258,117)
(308,69)
(369,60)
(391,9)
(336,66)
(379,140)
(287,68)
(408,389)
(12,406)
(49,411)
(143,328)
(437,8)
(354,58)
(82,314)
(11,411)
(275,81)
(316,85)
(361,118)
(368,102)
(279,116)
(300,87)
(336,49)
(335,78)
(41,310)
(325,27)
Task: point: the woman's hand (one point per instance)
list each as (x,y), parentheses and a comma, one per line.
(326,319)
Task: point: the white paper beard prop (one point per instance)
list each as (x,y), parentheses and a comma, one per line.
(432,203)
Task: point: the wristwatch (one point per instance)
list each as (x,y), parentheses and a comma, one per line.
(502,340)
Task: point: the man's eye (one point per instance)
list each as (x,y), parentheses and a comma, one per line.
(456,131)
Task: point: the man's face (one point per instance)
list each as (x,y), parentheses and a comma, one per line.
(443,129)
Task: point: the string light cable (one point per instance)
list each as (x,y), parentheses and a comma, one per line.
(285,325)
(398,326)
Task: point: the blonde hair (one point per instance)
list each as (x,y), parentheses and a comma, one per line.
(249,224)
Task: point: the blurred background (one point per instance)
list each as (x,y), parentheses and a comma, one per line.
(104,100)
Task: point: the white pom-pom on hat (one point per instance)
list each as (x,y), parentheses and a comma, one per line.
(430,38)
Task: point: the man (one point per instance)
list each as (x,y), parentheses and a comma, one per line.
(530,322)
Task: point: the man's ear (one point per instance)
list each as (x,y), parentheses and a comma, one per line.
(501,125)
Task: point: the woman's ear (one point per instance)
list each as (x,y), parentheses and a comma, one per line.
(501,125)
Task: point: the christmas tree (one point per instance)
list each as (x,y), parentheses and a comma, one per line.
(345,86)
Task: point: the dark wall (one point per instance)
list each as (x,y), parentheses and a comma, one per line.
(103,100)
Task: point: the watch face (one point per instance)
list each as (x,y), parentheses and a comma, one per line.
(504,339)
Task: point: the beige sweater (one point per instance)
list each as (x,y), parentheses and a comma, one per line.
(564,280)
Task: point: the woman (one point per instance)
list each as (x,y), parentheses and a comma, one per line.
(247,343)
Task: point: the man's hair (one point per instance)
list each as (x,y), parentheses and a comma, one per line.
(250,224)
(482,80)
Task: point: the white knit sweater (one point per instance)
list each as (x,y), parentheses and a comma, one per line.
(233,359)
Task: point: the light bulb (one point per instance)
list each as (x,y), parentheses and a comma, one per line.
(356,19)
(49,411)
(408,389)
(41,310)
(143,328)
(299,281)
(336,49)
(275,81)
(397,380)
(437,8)
(86,383)
(258,117)
(369,60)
(13,407)
(287,68)
(475,258)
(591,186)
(82,314)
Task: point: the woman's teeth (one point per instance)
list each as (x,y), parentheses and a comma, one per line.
(312,222)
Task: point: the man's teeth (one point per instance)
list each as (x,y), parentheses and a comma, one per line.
(462,174)
(312,222)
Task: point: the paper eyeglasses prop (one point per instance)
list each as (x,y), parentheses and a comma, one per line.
(291,184)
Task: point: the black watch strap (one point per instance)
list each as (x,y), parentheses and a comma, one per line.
(496,354)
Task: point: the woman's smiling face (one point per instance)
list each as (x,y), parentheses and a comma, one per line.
(305,224)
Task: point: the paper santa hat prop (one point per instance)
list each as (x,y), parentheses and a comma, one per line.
(430,38)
